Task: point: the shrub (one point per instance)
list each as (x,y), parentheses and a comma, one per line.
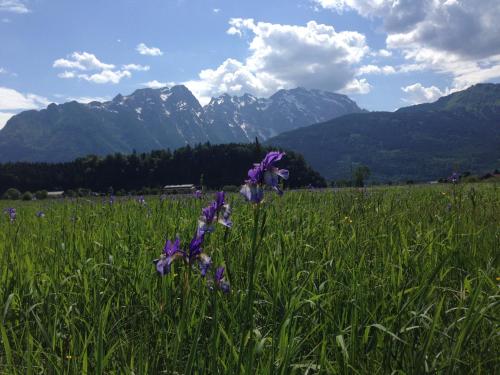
(41,194)
(83,192)
(27,196)
(70,193)
(12,194)
(471,178)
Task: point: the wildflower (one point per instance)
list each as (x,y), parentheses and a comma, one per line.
(163,197)
(111,200)
(264,173)
(219,281)
(141,200)
(195,249)
(252,192)
(171,251)
(12,214)
(197,194)
(220,200)
(205,263)
(40,214)
(207,218)
(348,220)
(454,178)
(217,211)
(224,216)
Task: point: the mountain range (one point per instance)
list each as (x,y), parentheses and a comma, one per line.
(151,119)
(458,132)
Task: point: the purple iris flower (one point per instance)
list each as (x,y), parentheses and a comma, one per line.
(40,214)
(195,247)
(111,200)
(12,214)
(205,263)
(141,200)
(196,253)
(224,216)
(252,192)
(454,177)
(205,222)
(264,173)
(219,280)
(171,251)
(197,194)
(218,211)
(220,200)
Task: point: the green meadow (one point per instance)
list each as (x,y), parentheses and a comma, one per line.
(389,280)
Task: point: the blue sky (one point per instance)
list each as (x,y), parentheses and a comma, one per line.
(383,53)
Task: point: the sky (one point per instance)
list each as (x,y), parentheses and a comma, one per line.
(384,54)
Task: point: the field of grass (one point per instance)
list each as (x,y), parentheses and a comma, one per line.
(401,280)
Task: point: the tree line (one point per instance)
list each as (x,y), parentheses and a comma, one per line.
(210,166)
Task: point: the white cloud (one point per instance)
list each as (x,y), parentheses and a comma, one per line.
(384,53)
(4,117)
(374,69)
(106,76)
(66,74)
(389,69)
(157,85)
(11,99)
(454,37)
(88,99)
(216,10)
(285,56)
(143,49)
(82,61)
(416,93)
(14,6)
(357,86)
(88,67)
(2,71)
(137,67)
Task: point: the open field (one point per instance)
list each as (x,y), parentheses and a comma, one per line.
(387,280)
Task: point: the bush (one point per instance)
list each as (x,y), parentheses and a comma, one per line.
(41,194)
(27,196)
(471,178)
(70,193)
(12,194)
(83,192)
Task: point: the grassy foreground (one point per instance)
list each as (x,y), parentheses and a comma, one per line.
(400,280)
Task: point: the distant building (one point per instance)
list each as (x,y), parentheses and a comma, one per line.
(55,194)
(179,189)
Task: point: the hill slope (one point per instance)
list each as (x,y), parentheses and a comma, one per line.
(421,142)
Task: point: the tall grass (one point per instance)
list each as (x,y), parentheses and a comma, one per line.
(388,280)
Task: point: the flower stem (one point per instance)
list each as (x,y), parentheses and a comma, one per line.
(246,346)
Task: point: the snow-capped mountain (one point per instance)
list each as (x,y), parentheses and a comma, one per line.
(248,117)
(161,118)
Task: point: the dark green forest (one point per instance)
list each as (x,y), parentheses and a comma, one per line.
(213,166)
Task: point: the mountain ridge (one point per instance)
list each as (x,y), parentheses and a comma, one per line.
(423,142)
(150,119)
